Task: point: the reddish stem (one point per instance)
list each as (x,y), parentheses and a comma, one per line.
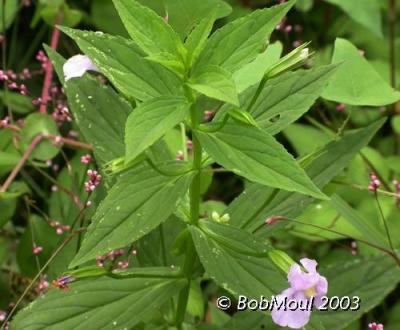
(55,37)
(21,162)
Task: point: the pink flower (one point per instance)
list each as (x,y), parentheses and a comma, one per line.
(304,286)
(94,181)
(37,250)
(77,65)
(375,326)
(374,182)
(86,159)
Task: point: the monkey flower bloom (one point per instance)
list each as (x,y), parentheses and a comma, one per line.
(77,65)
(304,287)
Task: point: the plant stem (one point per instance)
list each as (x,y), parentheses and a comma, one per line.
(56,252)
(195,196)
(184,140)
(49,66)
(380,248)
(21,162)
(385,225)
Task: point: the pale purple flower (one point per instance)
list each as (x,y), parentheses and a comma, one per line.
(77,65)
(304,286)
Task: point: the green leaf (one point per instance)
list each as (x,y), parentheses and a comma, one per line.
(71,17)
(197,39)
(44,236)
(150,121)
(253,72)
(321,167)
(369,231)
(124,64)
(365,12)
(11,9)
(239,42)
(155,245)
(395,122)
(16,102)
(100,113)
(286,98)
(103,303)
(376,277)
(8,161)
(236,260)
(35,124)
(242,116)
(98,110)
(141,199)
(305,139)
(183,15)
(257,156)
(150,32)
(215,82)
(105,17)
(356,82)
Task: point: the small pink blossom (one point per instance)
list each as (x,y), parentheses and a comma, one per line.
(37,250)
(43,284)
(340,107)
(305,287)
(94,181)
(123,264)
(374,182)
(86,159)
(60,228)
(4,122)
(272,220)
(375,326)
(77,65)
(3,315)
(354,248)
(179,155)
(208,114)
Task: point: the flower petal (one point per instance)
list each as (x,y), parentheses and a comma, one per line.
(294,319)
(300,280)
(309,264)
(77,65)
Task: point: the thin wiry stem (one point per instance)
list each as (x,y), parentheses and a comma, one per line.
(384,222)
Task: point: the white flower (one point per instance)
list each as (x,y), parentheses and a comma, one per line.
(77,65)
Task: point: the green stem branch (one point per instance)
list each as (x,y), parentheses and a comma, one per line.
(195,196)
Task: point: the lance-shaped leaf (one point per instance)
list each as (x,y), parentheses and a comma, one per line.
(283,99)
(236,260)
(240,41)
(98,110)
(150,121)
(215,82)
(149,30)
(356,82)
(253,72)
(102,303)
(141,199)
(286,98)
(257,156)
(321,167)
(373,278)
(183,15)
(124,65)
